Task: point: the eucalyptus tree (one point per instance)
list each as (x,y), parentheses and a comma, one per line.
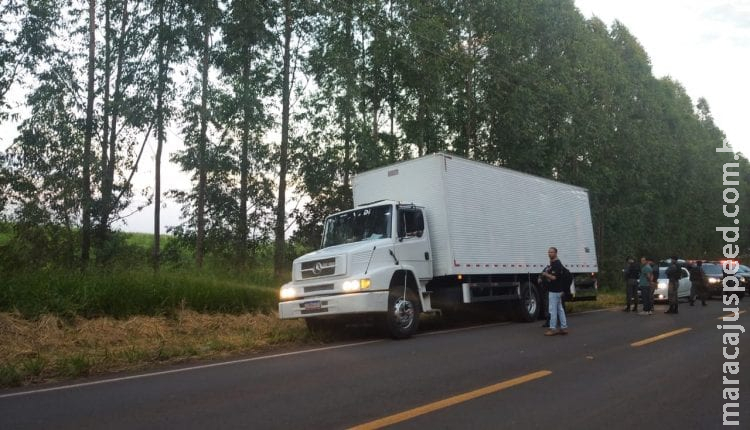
(169,17)
(205,18)
(245,63)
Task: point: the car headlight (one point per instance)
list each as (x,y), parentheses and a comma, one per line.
(287,293)
(714,280)
(356,285)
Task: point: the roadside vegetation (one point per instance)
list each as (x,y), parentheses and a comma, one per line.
(60,323)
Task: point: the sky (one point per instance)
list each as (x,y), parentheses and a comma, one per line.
(703,45)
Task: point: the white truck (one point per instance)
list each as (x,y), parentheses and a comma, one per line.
(437,231)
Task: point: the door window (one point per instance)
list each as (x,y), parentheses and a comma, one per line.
(410,223)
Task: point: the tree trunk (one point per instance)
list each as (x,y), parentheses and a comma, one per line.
(279,252)
(86,192)
(108,175)
(348,108)
(244,164)
(160,89)
(202,143)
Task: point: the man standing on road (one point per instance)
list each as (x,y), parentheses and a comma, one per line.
(645,283)
(673,274)
(553,275)
(632,274)
(697,287)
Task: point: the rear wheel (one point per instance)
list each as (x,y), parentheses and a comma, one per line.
(529,305)
(402,319)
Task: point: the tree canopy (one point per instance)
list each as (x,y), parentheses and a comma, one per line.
(267,94)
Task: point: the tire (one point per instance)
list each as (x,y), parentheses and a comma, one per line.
(529,305)
(402,318)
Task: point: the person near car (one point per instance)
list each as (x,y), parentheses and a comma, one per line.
(555,285)
(543,283)
(654,278)
(673,274)
(632,274)
(644,282)
(697,283)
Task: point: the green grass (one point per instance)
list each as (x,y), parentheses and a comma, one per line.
(126,293)
(146,240)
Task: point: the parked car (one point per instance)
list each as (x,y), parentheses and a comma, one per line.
(714,276)
(743,275)
(662,286)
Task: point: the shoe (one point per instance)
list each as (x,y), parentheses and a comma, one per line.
(563,331)
(545,325)
(650,312)
(643,313)
(550,332)
(703,303)
(635,310)
(626,309)
(692,304)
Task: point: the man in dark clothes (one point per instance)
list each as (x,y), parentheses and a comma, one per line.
(553,274)
(673,274)
(632,274)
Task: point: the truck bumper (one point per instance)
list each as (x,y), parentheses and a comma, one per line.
(375,301)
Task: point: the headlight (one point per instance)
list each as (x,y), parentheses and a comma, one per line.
(713,280)
(663,284)
(287,293)
(356,285)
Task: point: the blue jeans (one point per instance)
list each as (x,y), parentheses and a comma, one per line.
(556,310)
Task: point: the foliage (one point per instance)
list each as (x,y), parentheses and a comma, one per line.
(533,86)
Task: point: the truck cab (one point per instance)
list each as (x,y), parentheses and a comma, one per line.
(374,259)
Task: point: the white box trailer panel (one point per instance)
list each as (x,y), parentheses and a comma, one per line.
(485,219)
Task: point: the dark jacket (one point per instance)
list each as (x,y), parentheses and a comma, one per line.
(696,274)
(674,273)
(632,271)
(555,269)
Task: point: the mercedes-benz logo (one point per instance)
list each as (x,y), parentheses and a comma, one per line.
(318,268)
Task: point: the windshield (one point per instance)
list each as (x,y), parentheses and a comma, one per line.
(357,225)
(712,269)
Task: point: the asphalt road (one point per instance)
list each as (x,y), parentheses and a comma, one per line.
(484,377)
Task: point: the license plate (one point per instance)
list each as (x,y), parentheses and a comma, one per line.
(311,306)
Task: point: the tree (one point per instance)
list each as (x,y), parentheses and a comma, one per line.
(88,136)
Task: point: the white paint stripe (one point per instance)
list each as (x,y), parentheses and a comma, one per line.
(185,369)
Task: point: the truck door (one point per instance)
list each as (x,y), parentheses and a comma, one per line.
(413,246)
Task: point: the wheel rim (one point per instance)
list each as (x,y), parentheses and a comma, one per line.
(530,302)
(403,312)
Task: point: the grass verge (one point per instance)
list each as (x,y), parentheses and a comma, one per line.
(52,347)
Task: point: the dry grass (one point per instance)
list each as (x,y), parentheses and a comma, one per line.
(51,348)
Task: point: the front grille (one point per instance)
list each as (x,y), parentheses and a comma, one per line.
(315,288)
(318,268)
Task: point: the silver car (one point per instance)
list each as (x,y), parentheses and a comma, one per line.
(683,287)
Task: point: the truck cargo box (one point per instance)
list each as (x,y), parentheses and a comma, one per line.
(485,219)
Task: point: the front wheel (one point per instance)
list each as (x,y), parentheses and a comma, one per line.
(402,318)
(529,304)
